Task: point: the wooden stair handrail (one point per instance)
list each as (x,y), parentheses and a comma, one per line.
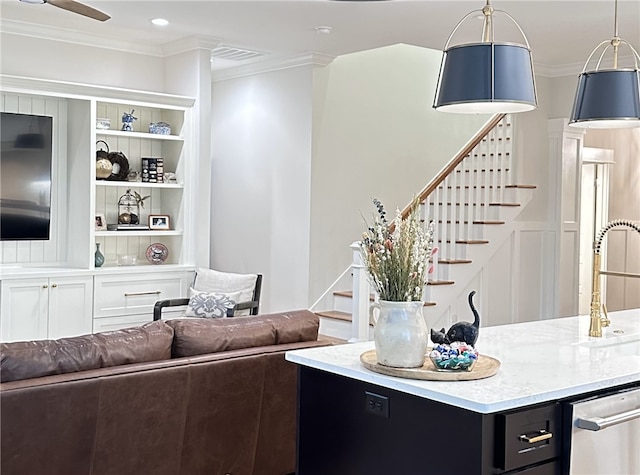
(466,150)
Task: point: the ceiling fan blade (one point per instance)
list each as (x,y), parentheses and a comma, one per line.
(80,8)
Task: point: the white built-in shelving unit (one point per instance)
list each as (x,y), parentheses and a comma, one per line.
(112,296)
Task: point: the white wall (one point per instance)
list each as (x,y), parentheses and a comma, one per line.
(62,61)
(260,182)
(298,154)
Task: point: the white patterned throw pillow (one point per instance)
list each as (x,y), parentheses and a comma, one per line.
(208,305)
(239,287)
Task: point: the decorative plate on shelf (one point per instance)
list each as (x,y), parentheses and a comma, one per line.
(157,253)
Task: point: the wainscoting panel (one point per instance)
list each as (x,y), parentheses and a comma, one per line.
(51,251)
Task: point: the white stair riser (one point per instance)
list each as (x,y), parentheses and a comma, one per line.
(342,304)
(462,251)
(492,176)
(465,195)
(452,212)
(335,328)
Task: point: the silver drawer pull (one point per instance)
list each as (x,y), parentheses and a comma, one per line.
(598,423)
(148,292)
(542,435)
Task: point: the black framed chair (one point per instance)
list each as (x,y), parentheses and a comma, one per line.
(252,305)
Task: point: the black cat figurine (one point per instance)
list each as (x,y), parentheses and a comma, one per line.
(461,331)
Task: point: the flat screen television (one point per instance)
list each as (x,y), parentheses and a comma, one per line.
(25,176)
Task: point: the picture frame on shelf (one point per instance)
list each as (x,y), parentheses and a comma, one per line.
(101,222)
(159,222)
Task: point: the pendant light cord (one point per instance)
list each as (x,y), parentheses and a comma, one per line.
(487,29)
(615,41)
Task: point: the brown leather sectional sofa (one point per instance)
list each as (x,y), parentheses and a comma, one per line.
(197,396)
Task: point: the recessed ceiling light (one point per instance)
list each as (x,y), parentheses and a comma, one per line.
(160,22)
(323,30)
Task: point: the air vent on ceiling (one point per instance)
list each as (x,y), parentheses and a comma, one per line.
(234,54)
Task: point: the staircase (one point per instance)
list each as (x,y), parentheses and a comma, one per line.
(474,202)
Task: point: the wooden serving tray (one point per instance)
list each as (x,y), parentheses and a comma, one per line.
(485,367)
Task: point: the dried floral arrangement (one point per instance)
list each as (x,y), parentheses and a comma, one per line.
(396,255)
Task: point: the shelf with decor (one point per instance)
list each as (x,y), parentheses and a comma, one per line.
(153,187)
(139,135)
(139,184)
(137,233)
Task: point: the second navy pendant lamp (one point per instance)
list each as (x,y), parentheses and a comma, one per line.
(608,97)
(486,77)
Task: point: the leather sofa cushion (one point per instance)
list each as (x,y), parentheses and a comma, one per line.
(32,359)
(203,335)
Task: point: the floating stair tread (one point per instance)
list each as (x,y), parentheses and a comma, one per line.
(482,187)
(331,339)
(441,282)
(465,241)
(336,315)
(473,222)
(349,294)
(488,222)
(475,204)
(454,261)
(475,170)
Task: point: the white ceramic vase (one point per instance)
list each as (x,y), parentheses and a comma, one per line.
(400,333)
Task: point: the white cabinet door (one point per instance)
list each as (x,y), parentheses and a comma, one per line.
(70,306)
(24,309)
(47,308)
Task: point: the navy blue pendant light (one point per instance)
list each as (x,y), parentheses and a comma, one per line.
(488,76)
(608,98)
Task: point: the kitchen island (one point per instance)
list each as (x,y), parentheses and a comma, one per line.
(355,421)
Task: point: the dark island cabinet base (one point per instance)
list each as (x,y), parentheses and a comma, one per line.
(349,427)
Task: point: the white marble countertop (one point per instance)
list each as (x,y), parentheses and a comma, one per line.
(554,359)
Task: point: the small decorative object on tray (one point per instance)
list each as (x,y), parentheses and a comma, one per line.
(396,257)
(157,253)
(459,356)
(161,128)
(460,331)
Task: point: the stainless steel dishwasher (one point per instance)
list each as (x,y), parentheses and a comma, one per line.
(605,435)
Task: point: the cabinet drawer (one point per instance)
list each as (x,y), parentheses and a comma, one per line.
(528,436)
(136,294)
(107,324)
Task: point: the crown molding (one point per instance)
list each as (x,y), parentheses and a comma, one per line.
(52,33)
(190,43)
(570,69)
(270,65)
(68,89)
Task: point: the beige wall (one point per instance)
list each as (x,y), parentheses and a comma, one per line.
(623,244)
(375,135)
